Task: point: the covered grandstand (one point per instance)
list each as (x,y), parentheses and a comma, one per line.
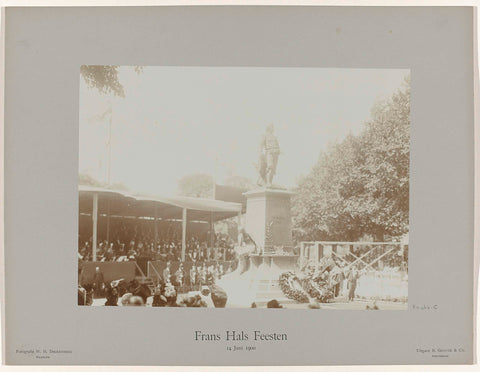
(96,202)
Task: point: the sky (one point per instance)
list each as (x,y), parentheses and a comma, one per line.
(175,121)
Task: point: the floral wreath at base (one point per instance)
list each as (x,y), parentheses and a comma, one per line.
(298,295)
(318,290)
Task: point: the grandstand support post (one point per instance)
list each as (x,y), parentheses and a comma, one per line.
(184,233)
(94,226)
(155,227)
(108,221)
(212,232)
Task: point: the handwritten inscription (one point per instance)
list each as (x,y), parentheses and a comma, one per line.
(424,307)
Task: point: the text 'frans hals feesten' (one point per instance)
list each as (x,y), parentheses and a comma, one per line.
(240,336)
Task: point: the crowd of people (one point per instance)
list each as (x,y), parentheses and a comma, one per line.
(165,295)
(170,282)
(130,241)
(201,279)
(199,275)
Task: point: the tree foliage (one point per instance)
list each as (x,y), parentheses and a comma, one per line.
(87,180)
(360,186)
(240,182)
(199,185)
(104,78)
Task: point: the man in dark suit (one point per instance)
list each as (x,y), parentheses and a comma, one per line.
(98,282)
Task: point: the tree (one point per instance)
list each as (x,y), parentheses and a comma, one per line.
(240,182)
(197,185)
(87,180)
(387,144)
(104,78)
(360,186)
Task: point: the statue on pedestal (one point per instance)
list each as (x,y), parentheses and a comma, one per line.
(263,242)
(269,151)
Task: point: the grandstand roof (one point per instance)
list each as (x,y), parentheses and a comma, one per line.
(121,203)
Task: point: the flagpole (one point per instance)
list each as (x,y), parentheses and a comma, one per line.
(109,164)
(212,223)
(214,191)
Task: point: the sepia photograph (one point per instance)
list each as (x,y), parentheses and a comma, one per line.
(244,187)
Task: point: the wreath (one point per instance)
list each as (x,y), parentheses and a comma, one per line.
(297,294)
(318,289)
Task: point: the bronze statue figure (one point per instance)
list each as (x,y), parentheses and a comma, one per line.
(269,151)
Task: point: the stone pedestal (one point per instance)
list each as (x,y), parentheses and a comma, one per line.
(259,283)
(266,271)
(269,219)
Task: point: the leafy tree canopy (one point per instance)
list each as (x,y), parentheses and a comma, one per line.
(87,180)
(240,182)
(360,186)
(199,185)
(104,78)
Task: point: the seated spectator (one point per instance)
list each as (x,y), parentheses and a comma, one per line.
(274,304)
(136,301)
(194,301)
(125,301)
(112,296)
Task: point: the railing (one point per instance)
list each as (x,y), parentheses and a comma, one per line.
(154,271)
(140,271)
(368,256)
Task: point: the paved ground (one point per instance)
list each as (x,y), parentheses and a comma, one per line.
(339,304)
(354,305)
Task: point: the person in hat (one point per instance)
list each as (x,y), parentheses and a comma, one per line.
(98,282)
(112,296)
(209,279)
(125,300)
(136,301)
(336,279)
(274,304)
(352,283)
(193,277)
(179,276)
(110,255)
(167,273)
(170,295)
